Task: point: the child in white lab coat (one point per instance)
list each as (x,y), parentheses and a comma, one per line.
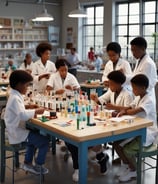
(142,106)
(116,96)
(43,68)
(15,119)
(123,97)
(115,62)
(62,81)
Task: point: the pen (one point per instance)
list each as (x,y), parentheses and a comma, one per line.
(69,122)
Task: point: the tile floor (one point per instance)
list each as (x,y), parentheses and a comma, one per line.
(61,172)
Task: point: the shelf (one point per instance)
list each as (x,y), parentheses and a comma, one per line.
(11,40)
(15,36)
(2,49)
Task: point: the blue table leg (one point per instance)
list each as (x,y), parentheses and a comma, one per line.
(83,161)
(139,159)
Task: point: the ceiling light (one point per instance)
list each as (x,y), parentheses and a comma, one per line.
(44,16)
(77,13)
(1,26)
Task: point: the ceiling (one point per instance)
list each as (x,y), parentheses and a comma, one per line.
(47,2)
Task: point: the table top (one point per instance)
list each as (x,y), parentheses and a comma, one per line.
(91,132)
(87,85)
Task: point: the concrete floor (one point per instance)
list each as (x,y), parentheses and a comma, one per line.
(61,172)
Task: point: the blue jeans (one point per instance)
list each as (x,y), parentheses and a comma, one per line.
(36,141)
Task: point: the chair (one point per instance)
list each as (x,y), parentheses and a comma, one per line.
(151,152)
(15,150)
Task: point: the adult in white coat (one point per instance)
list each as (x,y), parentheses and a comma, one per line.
(62,81)
(43,68)
(144,65)
(116,62)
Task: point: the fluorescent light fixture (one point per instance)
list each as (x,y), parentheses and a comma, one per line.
(77,13)
(44,16)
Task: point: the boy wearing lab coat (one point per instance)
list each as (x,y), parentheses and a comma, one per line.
(123,97)
(142,106)
(116,96)
(15,120)
(144,65)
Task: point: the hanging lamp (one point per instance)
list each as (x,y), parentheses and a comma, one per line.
(44,16)
(77,13)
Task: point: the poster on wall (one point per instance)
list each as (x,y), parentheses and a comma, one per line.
(69,41)
(53,35)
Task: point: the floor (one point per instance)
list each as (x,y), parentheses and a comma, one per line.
(60,171)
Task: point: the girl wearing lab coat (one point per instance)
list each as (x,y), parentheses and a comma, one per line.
(116,62)
(27,65)
(62,81)
(43,68)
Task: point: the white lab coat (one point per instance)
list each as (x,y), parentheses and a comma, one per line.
(39,69)
(121,64)
(28,67)
(15,118)
(148,68)
(149,112)
(123,99)
(55,81)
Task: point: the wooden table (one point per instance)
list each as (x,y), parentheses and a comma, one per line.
(94,135)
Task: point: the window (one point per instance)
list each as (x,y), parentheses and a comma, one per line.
(135,18)
(93,29)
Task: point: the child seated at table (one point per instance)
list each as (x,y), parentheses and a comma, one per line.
(62,81)
(116,96)
(142,106)
(15,117)
(123,97)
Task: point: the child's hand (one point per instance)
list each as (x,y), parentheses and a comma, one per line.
(121,113)
(60,91)
(31,106)
(68,87)
(110,106)
(46,76)
(39,110)
(94,97)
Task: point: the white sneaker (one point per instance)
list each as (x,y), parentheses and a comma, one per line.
(128,176)
(122,170)
(75,175)
(29,168)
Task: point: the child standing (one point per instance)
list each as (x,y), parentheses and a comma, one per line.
(15,119)
(142,106)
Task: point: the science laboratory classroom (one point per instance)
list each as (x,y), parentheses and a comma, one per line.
(78,91)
